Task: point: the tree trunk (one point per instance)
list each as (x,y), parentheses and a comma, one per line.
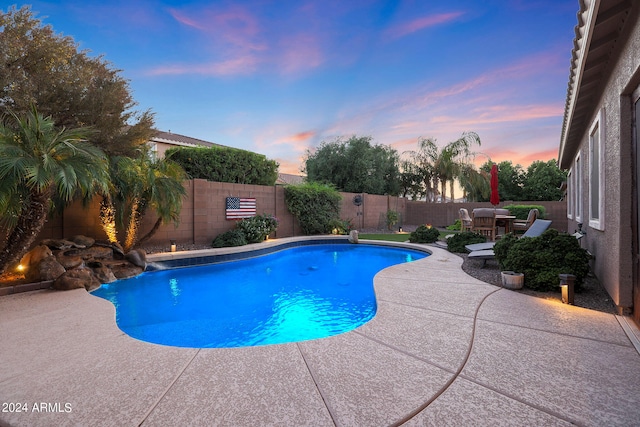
(132,228)
(30,224)
(151,232)
(451,185)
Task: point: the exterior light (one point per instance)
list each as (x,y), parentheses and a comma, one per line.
(567,282)
(173,246)
(21,267)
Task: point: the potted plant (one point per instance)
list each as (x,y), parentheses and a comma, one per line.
(512,280)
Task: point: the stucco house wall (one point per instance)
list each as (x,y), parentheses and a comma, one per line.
(604,100)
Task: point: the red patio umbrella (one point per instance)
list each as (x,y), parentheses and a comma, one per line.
(495,197)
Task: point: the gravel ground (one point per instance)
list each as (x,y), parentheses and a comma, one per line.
(592,295)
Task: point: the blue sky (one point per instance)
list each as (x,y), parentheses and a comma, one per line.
(280,77)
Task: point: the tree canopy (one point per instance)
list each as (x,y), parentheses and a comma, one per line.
(540,182)
(355,165)
(225,164)
(42,68)
(543,181)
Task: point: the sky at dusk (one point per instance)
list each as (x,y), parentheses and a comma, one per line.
(280,77)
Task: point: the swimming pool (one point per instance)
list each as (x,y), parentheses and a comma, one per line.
(295,294)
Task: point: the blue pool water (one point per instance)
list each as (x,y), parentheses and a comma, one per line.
(292,295)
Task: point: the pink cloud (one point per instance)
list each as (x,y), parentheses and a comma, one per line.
(235,26)
(290,166)
(299,52)
(539,155)
(234,66)
(300,137)
(410,27)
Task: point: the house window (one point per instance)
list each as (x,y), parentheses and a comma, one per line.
(596,173)
(570,191)
(577,192)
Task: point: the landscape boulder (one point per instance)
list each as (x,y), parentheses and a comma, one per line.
(35,255)
(94,252)
(83,241)
(124,270)
(102,272)
(81,261)
(47,269)
(76,279)
(137,257)
(69,261)
(59,244)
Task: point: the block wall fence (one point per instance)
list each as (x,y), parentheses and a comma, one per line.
(203,213)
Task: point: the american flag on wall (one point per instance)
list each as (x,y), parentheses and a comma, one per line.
(240,207)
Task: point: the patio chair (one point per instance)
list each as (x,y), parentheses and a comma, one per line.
(465,219)
(483,222)
(537,228)
(520,225)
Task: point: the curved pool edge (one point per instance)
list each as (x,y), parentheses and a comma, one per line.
(216,255)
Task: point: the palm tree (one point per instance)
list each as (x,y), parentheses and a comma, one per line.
(475,184)
(424,159)
(453,158)
(40,163)
(139,184)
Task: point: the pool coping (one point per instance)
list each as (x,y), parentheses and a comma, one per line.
(443,348)
(217,255)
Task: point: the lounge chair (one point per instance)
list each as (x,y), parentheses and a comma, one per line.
(538,227)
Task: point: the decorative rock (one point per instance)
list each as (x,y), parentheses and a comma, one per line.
(76,279)
(60,244)
(137,257)
(115,247)
(47,269)
(353,236)
(102,273)
(35,255)
(125,270)
(95,252)
(83,241)
(69,262)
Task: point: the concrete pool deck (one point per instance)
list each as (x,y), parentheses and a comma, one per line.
(443,349)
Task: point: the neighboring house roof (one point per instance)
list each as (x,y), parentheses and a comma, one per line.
(600,23)
(181,140)
(289,179)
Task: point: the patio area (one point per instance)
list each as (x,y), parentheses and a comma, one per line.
(443,349)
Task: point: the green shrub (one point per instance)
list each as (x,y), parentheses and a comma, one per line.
(424,234)
(502,246)
(225,164)
(522,211)
(233,237)
(392,218)
(314,205)
(341,226)
(455,226)
(258,227)
(542,259)
(457,242)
